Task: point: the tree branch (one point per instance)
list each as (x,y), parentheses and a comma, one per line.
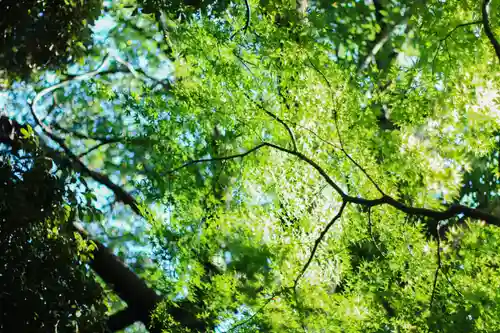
(84,136)
(122,319)
(247,22)
(450,212)
(113,141)
(249,319)
(281,121)
(223,158)
(64,83)
(97,146)
(280,94)
(117,190)
(443,40)
(337,128)
(438,268)
(487,28)
(317,242)
(137,73)
(140,298)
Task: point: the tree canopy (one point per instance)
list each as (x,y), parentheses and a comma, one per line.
(250,166)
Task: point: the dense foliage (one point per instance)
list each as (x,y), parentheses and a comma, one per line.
(44,34)
(44,285)
(282,166)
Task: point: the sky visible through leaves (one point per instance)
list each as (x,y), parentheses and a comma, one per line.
(269,166)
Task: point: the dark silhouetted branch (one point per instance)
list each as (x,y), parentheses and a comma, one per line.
(281,121)
(140,298)
(445,38)
(438,268)
(122,319)
(223,158)
(450,212)
(117,190)
(487,28)
(318,241)
(247,22)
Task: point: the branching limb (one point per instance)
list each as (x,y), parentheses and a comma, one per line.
(451,212)
(117,190)
(487,28)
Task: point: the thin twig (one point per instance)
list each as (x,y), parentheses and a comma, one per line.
(317,242)
(452,285)
(137,73)
(48,90)
(438,268)
(457,27)
(337,127)
(137,141)
(247,22)
(249,319)
(318,136)
(79,135)
(223,158)
(359,166)
(281,121)
(487,28)
(443,40)
(289,109)
(275,117)
(97,146)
